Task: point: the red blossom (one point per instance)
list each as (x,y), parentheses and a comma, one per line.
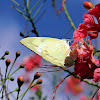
(96,77)
(82,50)
(89,27)
(83,97)
(92,27)
(32,62)
(78,34)
(99,96)
(95,11)
(73,85)
(84,63)
(83,70)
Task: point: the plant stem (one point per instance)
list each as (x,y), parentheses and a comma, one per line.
(11,74)
(68,16)
(12,66)
(9,93)
(90,83)
(27,89)
(3,86)
(18,93)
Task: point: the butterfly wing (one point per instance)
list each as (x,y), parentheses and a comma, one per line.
(56,52)
(35,43)
(51,49)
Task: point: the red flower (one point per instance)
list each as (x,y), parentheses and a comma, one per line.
(84,63)
(99,96)
(84,58)
(84,70)
(73,85)
(92,27)
(89,27)
(83,51)
(95,11)
(96,76)
(83,97)
(32,62)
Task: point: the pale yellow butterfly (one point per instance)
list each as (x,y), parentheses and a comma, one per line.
(51,49)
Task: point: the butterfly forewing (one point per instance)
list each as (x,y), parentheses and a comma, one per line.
(34,43)
(51,49)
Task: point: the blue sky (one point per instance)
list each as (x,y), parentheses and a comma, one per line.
(50,25)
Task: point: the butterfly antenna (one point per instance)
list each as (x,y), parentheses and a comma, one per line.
(40,64)
(45,71)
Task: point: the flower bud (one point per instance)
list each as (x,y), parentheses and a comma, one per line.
(17,54)
(39,81)
(8,62)
(37,75)
(22,65)
(7,52)
(12,78)
(88,5)
(20,81)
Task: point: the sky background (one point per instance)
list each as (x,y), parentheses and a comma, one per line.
(50,25)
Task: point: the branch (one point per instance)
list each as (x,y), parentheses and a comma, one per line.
(88,82)
(68,16)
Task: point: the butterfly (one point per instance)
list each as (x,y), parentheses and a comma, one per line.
(51,49)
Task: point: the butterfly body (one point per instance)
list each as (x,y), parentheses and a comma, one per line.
(51,49)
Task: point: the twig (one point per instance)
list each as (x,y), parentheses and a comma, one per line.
(95,93)
(4,85)
(88,82)
(40,17)
(68,16)
(54,92)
